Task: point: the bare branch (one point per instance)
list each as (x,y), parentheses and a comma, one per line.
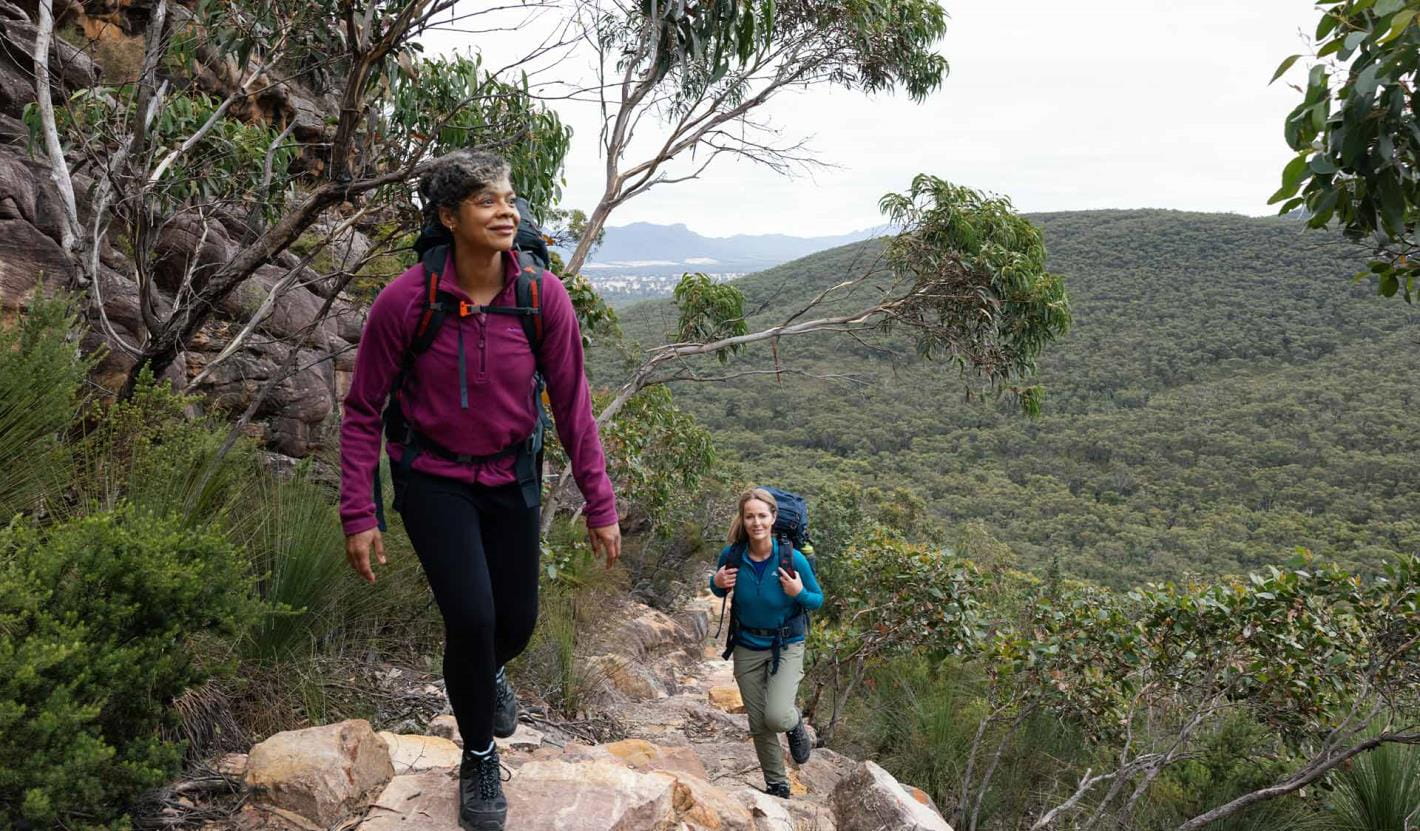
(1318,768)
(278,290)
(58,166)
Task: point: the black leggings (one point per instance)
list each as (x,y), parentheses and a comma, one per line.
(476,543)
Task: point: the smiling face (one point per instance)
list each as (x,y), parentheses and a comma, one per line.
(758,519)
(487,220)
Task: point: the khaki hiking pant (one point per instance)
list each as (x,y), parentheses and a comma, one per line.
(769,700)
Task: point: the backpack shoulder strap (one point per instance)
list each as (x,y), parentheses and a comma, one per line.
(528,295)
(434,311)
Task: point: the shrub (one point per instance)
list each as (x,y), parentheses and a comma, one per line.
(1379,791)
(97,615)
(149,452)
(40,375)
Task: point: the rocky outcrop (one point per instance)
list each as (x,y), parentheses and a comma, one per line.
(296,418)
(684,766)
(869,798)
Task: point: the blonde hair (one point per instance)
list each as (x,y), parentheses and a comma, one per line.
(737,525)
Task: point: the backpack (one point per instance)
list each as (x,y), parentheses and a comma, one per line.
(792,520)
(433,246)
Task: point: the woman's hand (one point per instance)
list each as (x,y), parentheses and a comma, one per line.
(606,539)
(725,577)
(357,551)
(792,585)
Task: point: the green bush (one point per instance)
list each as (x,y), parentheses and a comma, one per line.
(149,452)
(97,616)
(40,375)
(1380,791)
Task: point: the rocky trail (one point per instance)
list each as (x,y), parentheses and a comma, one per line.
(683,762)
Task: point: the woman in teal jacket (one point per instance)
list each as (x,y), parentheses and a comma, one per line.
(767,632)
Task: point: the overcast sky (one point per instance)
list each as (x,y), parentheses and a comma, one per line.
(1060,106)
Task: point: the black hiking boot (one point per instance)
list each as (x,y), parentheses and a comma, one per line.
(482,806)
(779,789)
(800,746)
(505,706)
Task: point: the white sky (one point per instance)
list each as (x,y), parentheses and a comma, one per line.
(1058,105)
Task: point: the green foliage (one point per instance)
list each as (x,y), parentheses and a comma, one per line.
(657,453)
(1357,134)
(696,42)
(98,614)
(41,371)
(295,537)
(149,452)
(1379,791)
(978,292)
(1294,646)
(456,104)
(709,311)
(227,164)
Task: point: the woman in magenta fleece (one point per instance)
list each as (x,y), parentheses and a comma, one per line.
(469,404)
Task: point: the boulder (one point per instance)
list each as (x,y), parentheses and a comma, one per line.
(523,738)
(628,677)
(426,801)
(324,774)
(651,632)
(590,796)
(69,67)
(869,799)
(415,754)
(190,248)
(700,804)
(726,699)
(642,755)
(446,727)
(769,813)
(824,770)
(29,260)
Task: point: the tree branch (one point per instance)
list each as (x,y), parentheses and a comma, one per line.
(1318,768)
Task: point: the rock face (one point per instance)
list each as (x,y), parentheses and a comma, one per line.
(324,774)
(869,799)
(297,417)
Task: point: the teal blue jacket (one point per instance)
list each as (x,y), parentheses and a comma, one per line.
(761,602)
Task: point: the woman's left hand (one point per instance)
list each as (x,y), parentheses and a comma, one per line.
(606,540)
(792,585)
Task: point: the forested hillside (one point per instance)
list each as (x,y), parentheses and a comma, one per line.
(1225,396)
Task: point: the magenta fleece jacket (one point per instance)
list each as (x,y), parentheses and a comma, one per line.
(499,366)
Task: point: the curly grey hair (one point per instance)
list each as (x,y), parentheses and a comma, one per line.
(455,176)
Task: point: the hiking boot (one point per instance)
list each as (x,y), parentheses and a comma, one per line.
(800,745)
(505,706)
(779,789)
(482,806)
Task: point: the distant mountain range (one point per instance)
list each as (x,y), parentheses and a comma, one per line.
(648,249)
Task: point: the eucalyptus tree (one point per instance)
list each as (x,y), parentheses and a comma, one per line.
(688,79)
(1356,133)
(185,150)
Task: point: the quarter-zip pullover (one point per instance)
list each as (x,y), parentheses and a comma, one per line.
(471,391)
(760,602)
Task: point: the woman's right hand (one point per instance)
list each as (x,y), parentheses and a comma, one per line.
(725,577)
(357,551)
